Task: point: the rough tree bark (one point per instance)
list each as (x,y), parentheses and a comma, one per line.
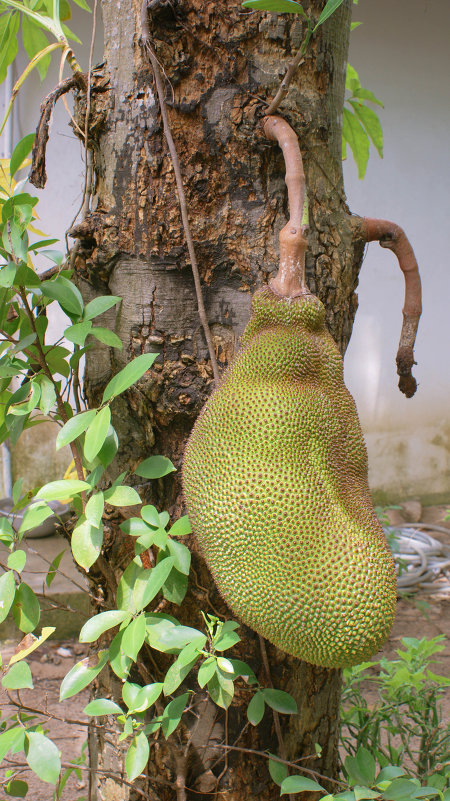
(219,61)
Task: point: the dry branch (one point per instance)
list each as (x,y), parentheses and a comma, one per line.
(391,236)
(38,175)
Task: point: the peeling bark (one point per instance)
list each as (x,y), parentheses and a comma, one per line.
(219,61)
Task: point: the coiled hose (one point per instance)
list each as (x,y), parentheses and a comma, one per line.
(423,562)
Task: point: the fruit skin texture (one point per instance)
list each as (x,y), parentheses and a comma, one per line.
(275,483)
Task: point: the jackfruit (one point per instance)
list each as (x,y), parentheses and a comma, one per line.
(276,488)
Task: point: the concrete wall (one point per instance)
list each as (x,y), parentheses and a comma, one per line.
(401,53)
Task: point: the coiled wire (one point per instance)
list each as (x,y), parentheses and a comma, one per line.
(423,562)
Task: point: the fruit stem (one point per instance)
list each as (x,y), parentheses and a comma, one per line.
(290,279)
(391,236)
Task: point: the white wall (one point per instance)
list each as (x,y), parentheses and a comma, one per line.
(401,53)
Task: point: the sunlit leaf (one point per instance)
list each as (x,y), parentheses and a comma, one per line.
(155,467)
(42,756)
(128,376)
(82,674)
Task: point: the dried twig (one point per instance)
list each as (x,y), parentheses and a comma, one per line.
(38,175)
(145,41)
(391,236)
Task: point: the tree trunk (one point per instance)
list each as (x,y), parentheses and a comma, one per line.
(219,62)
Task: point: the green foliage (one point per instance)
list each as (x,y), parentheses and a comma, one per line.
(360,124)
(406,723)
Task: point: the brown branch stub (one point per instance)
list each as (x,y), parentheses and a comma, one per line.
(290,279)
(391,236)
(38,175)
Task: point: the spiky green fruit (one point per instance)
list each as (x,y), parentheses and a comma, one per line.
(275,482)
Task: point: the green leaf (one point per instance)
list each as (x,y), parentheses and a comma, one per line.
(255,709)
(277,770)
(225,665)
(17,560)
(181,527)
(18,677)
(133,637)
(99,305)
(48,394)
(206,671)
(96,434)
(244,670)
(276,6)
(175,587)
(66,293)
(390,772)
(221,689)
(183,665)
(128,376)
(74,427)
(164,518)
(94,509)
(8,44)
(145,697)
(352,81)
(83,5)
(138,586)
(367,766)
(122,495)
(102,706)
(364,794)
(77,333)
(135,527)
(226,637)
(158,576)
(61,490)
(280,701)
(151,516)
(53,569)
(34,40)
(97,625)
(34,516)
(130,692)
(20,152)
(365,94)
(26,609)
(155,467)
(172,714)
(371,124)
(7,592)
(137,756)
(355,135)
(330,7)
(109,448)
(10,739)
(82,674)
(86,543)
(16,788)
(106,336)
(169,637)
(43,757)
(132,580)
(181,556)
(297,784)
(119,662)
